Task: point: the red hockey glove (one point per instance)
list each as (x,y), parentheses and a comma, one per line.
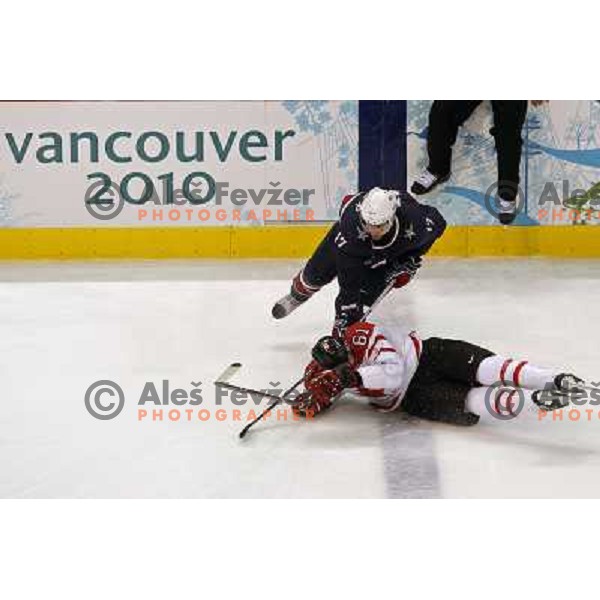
(306,405)
(313,368)
(326,385)
(402,279)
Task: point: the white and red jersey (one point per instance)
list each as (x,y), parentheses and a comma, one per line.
(386,359)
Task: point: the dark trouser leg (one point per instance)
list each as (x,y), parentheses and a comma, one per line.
(320,269)
(351,308)
(445,117)
(509,117)
(373,285)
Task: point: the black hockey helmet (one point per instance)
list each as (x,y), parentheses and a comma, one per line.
(330,352)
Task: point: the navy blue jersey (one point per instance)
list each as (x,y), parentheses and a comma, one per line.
(415,229)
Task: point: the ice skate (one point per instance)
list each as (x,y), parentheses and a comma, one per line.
(286,305)
(549,400)
(567,382)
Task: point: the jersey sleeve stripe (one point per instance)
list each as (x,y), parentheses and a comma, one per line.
(346,204)
(416,343)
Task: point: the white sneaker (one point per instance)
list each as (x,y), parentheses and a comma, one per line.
(426,181)
(507,211)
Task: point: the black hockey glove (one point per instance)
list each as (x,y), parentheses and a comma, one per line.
(401,273)
(345,318)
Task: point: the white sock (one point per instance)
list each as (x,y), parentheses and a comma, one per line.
(499,403)
(519,373)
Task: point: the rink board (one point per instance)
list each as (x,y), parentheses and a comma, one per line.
(278,242)
(54,153)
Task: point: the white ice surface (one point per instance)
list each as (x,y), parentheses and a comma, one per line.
(66,325)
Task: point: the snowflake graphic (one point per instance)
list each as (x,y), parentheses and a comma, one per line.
(310,115)
(6,205)
(335,127)
(344,156)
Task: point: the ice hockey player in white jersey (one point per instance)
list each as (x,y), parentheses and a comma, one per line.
(437,379)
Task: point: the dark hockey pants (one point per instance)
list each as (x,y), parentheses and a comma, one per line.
(322,268)
(446,373)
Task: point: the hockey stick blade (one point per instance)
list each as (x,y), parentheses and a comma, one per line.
(228,373)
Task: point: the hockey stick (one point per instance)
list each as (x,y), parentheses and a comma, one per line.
(278,399)
(245,390)
(388,288)
(223,382)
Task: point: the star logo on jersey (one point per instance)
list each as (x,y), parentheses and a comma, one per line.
(362,234)
(409,232)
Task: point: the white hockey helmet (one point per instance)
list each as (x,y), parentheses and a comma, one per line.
(379,206)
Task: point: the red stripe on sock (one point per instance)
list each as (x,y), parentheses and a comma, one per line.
(498,400)
(504,368)
(517,372)
(509,404)
(302,288)
(308,286)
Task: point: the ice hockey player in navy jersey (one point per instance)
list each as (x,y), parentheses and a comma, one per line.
(439,379)
(379,240)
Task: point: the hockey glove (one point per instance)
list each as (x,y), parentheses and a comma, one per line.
(401,273)
(345,318)
(306,405)
(326,385)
